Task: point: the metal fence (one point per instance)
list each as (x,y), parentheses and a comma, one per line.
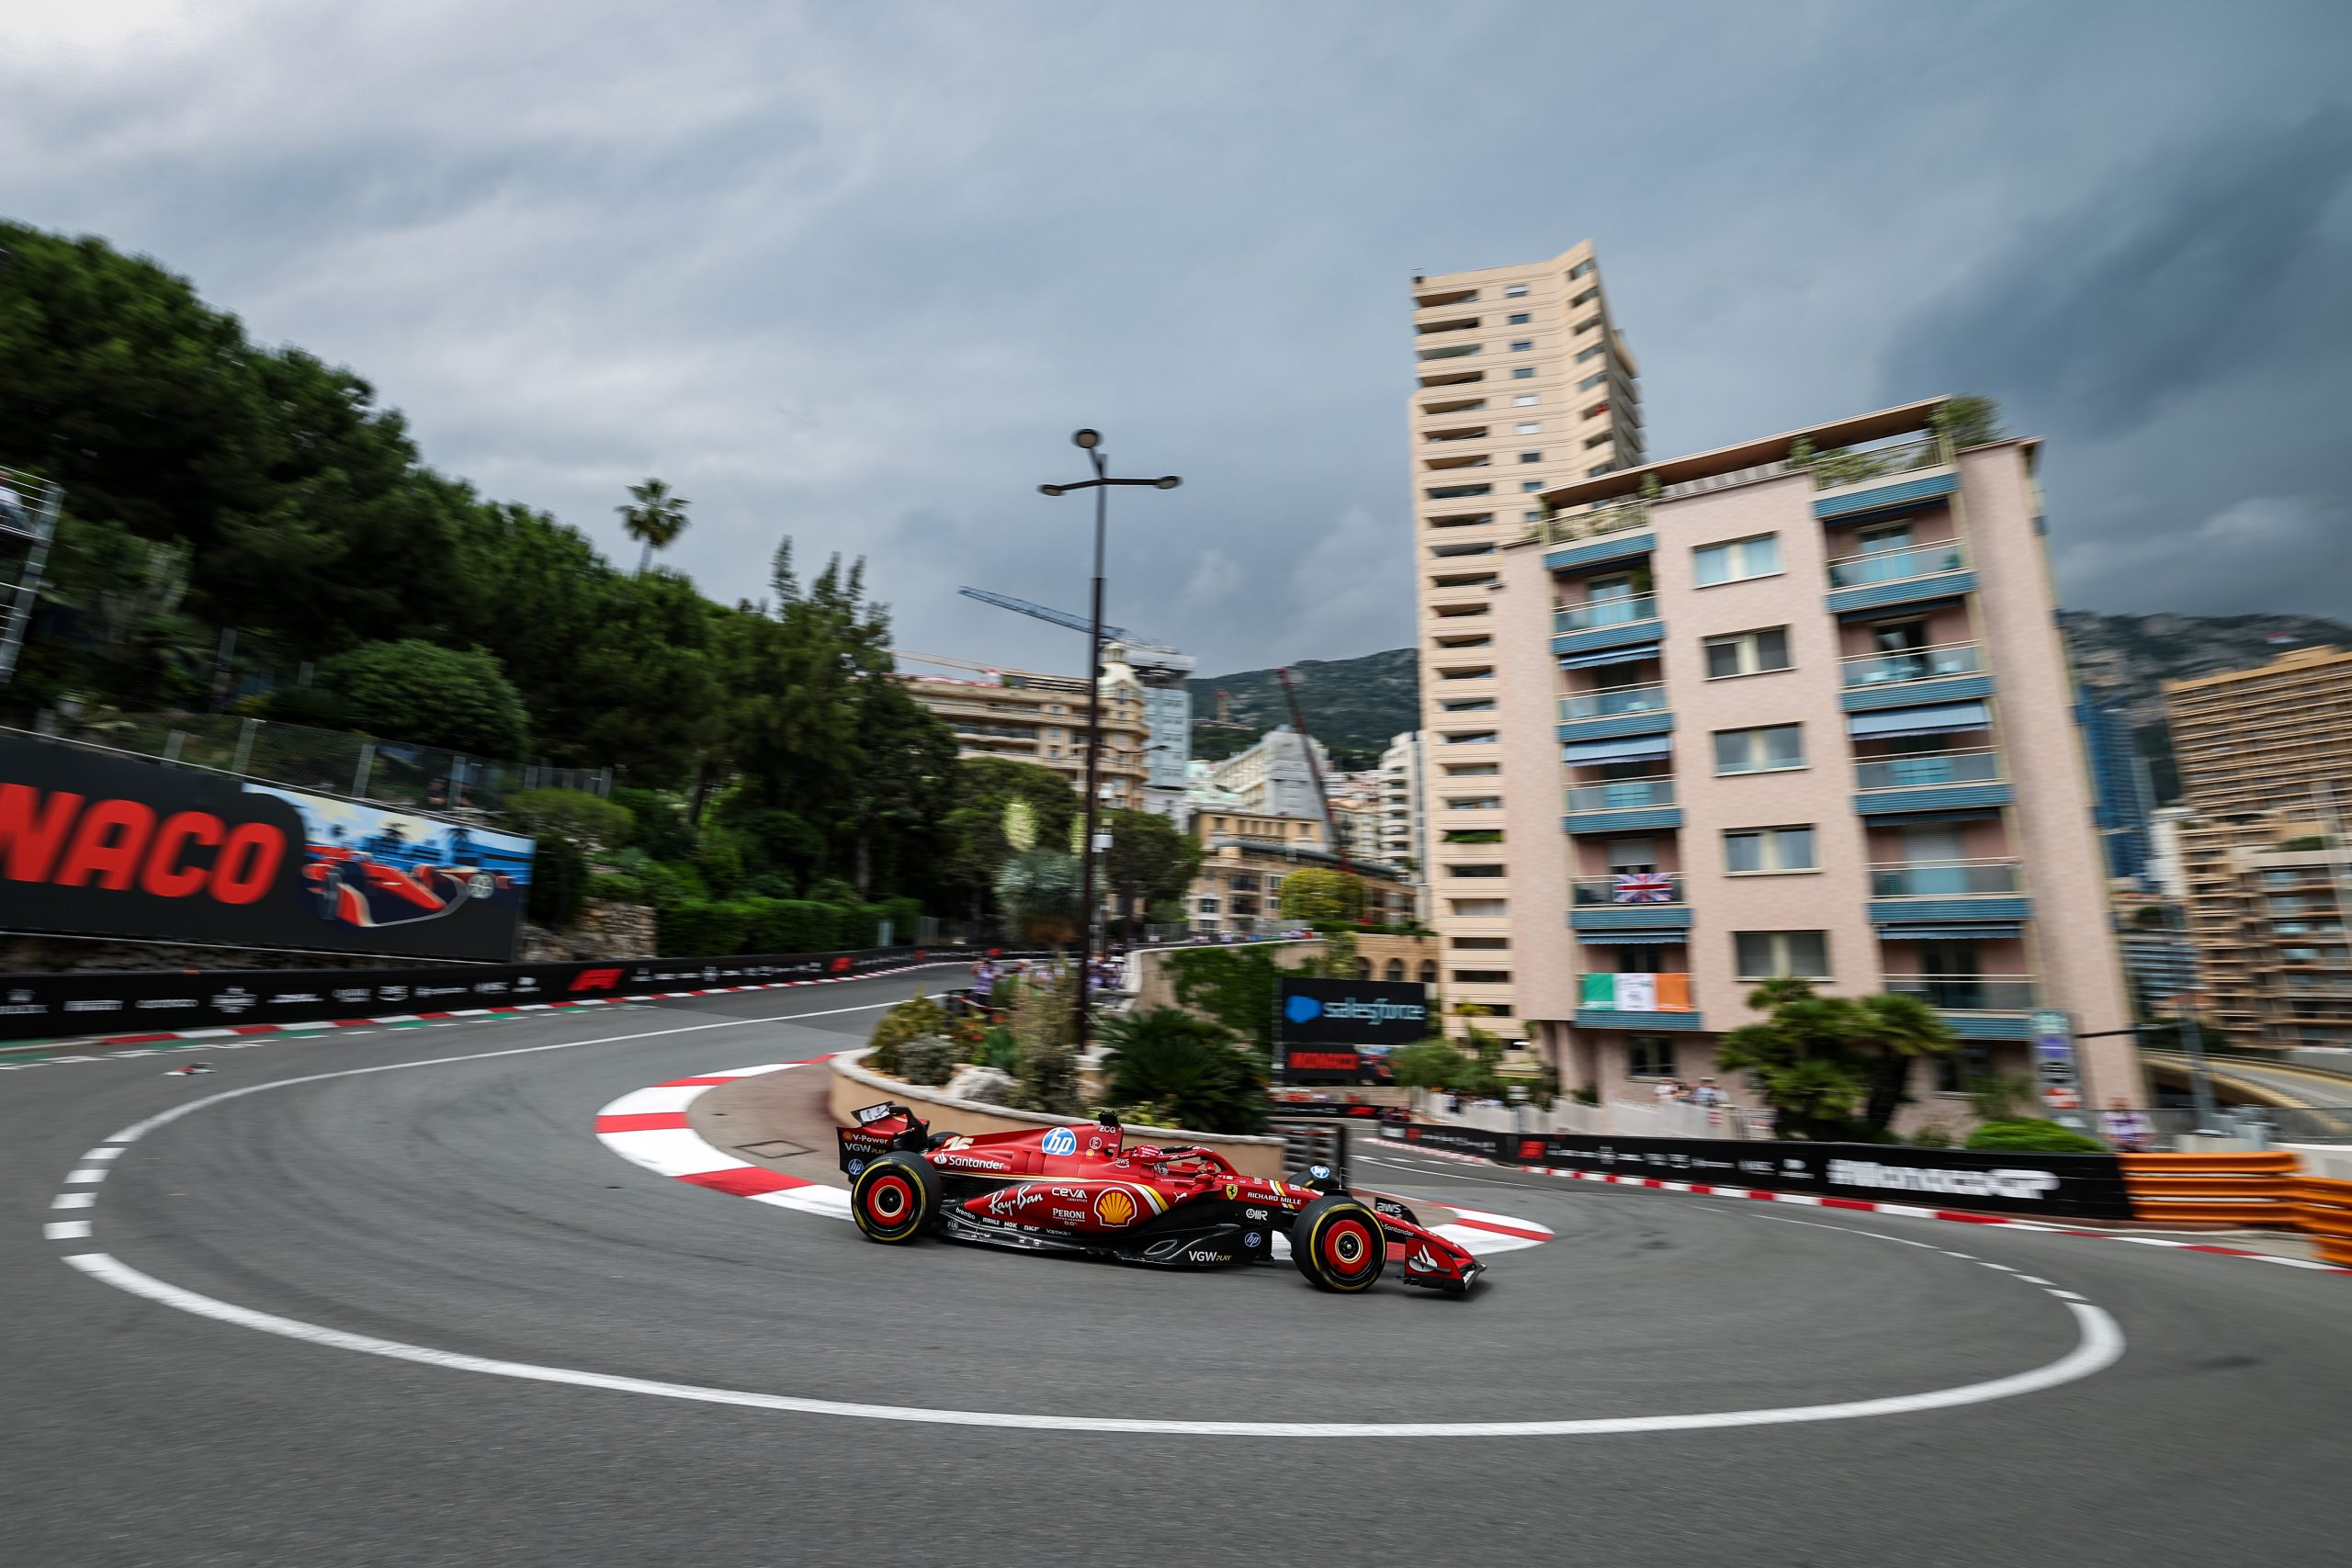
(322,762)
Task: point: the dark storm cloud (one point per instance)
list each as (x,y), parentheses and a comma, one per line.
(2179,336)
(852,272)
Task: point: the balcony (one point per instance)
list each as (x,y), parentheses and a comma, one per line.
(1930,781)
(1610,714)
(1915,676)
(1606,623)
(1977,1006)
(1627,900)
(1943,879)
(1926,900)
(1881,479)
(1455,351)
(1623,806)
(1635,1001)
(1881,579)
(1610,704)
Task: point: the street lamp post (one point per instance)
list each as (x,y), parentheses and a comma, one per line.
(1091,442)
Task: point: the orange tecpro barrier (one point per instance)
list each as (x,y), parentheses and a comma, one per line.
(2243,1189)
(2324,1213)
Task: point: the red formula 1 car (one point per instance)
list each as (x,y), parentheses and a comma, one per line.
(1082,1188)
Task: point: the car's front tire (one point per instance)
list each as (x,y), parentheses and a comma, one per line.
(896,1198)
(1338,1244)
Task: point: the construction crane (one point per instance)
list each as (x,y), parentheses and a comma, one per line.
(1315,769)
(1057,617)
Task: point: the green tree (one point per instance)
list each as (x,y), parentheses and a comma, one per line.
(422,695)
(1184,1072)
(1037,890)
(1898,1030)
(1235,986)
(974,844)
(1433,1064)
(2033,1136)
(1820,1059)
(583,819)
(1968,421)
(1149,860)
(654,517)
(1322,898)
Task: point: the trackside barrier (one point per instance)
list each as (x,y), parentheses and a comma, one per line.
(1307,1144)
(2236,1188)
(2054,1186)
(154,1003)
(2324,1213)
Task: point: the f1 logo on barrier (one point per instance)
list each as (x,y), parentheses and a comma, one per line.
(595,980)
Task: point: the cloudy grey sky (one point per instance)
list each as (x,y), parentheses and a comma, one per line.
(854,271)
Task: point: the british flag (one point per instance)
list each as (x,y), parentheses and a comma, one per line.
(1641,887)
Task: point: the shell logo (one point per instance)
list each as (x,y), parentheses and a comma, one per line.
(1114,1207)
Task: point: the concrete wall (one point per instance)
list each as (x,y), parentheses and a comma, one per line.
(853,1088)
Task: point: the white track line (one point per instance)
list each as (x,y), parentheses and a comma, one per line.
(2100,1343)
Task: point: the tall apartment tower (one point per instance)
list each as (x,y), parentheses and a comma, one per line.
(1523,385)
(2266,764)
(1798,707)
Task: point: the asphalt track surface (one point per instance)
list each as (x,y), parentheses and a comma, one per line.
(462,1205)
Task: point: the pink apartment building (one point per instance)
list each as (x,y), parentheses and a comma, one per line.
(1808,718)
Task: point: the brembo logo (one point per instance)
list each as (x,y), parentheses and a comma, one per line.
(68,841)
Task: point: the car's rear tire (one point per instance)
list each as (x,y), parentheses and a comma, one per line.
(1338,1244)
(896,1198)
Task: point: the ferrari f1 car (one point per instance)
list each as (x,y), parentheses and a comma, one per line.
(1082,1188)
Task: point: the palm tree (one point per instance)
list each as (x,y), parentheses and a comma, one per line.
(656,520)
(1900,1029)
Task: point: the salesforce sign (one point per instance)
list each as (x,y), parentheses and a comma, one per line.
(1352,1013)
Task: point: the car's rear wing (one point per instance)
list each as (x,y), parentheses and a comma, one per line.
(879,1129)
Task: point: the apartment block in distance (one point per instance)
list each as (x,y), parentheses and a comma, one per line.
(1040,718)
(1523,385)
(1766,717)
(2266,765)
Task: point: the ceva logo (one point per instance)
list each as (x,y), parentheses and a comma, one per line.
(1299,1009)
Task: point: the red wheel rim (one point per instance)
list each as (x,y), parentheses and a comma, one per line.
(1348,1247)
(889,1199)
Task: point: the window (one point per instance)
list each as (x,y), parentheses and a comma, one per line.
(1595,352)
(1474,870)
(1526,400)
(1737,559)
(1762,955)
(1760,850)
(1958,1072)
(1595,411)
(1482,976)
(1469,704)
(1524,373)
(1649,1056)
(1582,269)
(1531,516)
(1473,803)
(1472,737)
(1596,473)
(1531,457)
(1395,970)
(1586,297)
(1519,319)
(1483,944)
(1588,324)
(1747,653)
(1209,903)
(1516,292)
(1479,909)
(1530,486)
(1531,428)
(1472,770)
(1589,382)
(1521,344)
(1762,751)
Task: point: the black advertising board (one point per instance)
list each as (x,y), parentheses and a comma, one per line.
(100,846)
(1455,1140)
(1352,1013)
(40,1007)
(2086,1186)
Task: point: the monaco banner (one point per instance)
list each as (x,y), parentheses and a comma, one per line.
(100,846)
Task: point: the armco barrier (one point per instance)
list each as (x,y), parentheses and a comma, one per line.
(2060,1186)
(136,1003)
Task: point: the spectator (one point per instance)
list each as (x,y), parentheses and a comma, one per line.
(1664,1090)
(1707,1094)
(2129,1129)
(984,975)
